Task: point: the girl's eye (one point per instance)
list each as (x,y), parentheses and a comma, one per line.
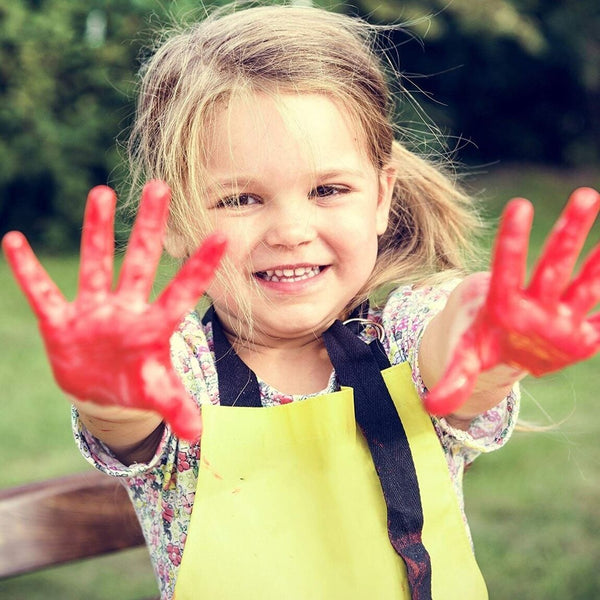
(237,201)
(326,191)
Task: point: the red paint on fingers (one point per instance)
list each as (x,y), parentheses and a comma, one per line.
(97,244)
(112,347)
(146,242)
(584,292)
(562,248)
(44,297)
(509,260)
(171,400)
(540,328)
(193,278)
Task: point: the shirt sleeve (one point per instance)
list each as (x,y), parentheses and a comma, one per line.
(100,455)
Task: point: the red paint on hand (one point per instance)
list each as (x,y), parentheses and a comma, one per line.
(112,346)
(540,328)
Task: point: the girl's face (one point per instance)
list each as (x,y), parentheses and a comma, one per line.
(301,205)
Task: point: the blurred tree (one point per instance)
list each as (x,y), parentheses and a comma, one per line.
(65,77)
(518,78)
(521,78)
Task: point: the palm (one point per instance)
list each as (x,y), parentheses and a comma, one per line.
(112,346)
(539,328)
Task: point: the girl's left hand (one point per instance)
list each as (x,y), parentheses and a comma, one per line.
(539,328)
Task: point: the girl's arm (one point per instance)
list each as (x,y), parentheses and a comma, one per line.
(109,349)
(494,330)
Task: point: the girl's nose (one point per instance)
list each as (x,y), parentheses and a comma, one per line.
(292,223)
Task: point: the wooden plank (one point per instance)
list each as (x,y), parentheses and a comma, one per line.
(65,519)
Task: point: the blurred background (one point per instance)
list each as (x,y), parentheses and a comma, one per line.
(512,85)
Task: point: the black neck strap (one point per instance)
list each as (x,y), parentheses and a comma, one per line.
(357,365)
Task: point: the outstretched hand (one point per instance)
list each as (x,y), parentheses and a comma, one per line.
(111,347)
(539,328)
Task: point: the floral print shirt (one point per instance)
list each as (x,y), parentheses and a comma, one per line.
(162,491)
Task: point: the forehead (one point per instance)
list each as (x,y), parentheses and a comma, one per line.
(304,131)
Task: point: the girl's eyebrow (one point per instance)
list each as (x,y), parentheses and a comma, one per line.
(231,182)
(224,185)
(343,172)
(251,180)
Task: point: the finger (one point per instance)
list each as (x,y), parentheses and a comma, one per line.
(455,386)
(183,417)
(590,336)
(46,300)
(584,292)
(172,401)
(585,346)
(594,323)
(554,268)
(97,244)
(191,281)
(458,380)
(509,262)
(146,242)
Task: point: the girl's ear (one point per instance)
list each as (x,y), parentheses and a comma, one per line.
(175,245)
(387,182)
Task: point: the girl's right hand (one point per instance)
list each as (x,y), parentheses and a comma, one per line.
(111,347)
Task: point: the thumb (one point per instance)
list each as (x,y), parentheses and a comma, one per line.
(456,384)
(169,398)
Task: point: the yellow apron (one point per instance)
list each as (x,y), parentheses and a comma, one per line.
(289,506)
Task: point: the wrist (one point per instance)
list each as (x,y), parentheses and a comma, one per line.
(491,388)
(124,430)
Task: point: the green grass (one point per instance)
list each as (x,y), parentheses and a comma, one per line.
(534,506)
(123,576)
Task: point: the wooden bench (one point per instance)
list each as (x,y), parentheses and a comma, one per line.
(53,522)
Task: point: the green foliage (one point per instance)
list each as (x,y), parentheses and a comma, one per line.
(67,83)
(492,18)
(520,78)
(517,79)
(64,97)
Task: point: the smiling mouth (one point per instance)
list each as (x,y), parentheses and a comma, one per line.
(289,275)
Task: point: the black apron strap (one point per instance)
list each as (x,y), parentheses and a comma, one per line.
(239,387)
(357,365)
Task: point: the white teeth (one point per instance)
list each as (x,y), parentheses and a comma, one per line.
(290,275)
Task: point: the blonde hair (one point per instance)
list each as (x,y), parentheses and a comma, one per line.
(276,49)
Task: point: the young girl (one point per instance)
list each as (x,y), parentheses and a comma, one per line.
(272,126)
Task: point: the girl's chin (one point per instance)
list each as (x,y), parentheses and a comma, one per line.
(283,316)
(293,323)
